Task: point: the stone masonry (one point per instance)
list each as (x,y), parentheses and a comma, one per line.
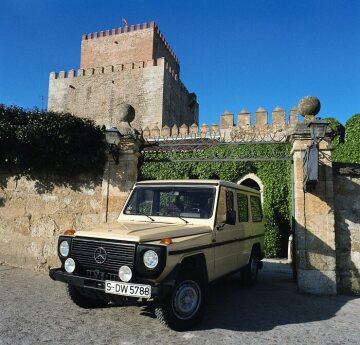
(265,127)
(133,65)
(347,222)
(314,219)
(32,217)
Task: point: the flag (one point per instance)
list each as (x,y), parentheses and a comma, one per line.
(124,21)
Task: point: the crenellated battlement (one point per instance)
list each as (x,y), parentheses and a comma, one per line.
(81,72)
(129,29)
(119,68)
(260,129)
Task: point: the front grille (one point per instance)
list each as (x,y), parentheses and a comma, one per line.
(117,254)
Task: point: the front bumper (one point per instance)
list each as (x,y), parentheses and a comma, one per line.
(157,291)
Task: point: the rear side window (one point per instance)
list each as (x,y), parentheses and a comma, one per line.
(243,210)
(229,201)
(256,210)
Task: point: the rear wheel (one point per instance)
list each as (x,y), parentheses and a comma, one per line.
(86,299)
(249,273)
(184,307)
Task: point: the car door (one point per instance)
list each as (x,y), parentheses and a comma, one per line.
(226,235)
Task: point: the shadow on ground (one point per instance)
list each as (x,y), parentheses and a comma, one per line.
(272,302)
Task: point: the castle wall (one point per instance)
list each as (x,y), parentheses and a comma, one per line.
(32,218)
(347,226)
(118,48)
(97,93)
(180,106)
(277,129)
(126,45)
(125,65)
(163,49)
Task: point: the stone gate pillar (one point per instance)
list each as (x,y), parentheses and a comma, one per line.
(314,218)
(119,177)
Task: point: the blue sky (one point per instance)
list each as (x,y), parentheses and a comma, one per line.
(233,54)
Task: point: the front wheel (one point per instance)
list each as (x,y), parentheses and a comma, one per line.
(184,307)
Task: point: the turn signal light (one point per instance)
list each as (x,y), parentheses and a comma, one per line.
(166,241)
(69,232)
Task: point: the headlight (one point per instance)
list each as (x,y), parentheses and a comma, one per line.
(125,273)
(151,259)
(64,248)
(69,265)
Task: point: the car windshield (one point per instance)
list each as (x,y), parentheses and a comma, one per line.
(164,201)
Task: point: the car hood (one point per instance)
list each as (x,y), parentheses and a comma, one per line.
(143,231)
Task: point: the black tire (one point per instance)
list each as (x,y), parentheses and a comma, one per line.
(249,273)
(86,299)
(177,313)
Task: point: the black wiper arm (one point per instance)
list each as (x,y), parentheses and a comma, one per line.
(144,214)
(183,219)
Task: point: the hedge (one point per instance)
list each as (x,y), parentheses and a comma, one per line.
(346,140)
(37,142)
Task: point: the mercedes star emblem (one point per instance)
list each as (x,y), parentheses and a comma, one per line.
(100,255)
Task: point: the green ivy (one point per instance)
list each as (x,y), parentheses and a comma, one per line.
(337,131)
(348,150)
(34,142)
(275,175)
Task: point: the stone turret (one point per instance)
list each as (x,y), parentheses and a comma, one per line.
(133,64)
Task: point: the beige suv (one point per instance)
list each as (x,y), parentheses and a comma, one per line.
(171,240)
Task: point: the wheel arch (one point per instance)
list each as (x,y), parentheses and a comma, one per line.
(195,261)
(255,247)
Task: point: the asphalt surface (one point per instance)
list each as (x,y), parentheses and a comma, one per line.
(36,310)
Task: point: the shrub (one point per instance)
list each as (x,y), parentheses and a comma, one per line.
(37,142)
(349,151)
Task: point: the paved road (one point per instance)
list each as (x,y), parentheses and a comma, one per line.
(36,310)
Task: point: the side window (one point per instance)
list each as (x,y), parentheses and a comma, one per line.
(229,201)
(226,212)
(243,209)
(221,207)
(230,211)
(256,210)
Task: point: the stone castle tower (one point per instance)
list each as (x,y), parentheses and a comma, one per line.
(133,65)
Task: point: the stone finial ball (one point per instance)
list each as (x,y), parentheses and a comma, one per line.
(126,113)
(309,105)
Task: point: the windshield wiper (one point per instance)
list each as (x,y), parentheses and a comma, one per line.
(144,214)
(183,219)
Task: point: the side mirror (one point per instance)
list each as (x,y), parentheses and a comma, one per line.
(231,217)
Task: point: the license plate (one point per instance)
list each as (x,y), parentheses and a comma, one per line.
(127,289)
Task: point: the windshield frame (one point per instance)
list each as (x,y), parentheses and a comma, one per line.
(183,217)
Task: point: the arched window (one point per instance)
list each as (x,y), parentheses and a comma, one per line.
(252,181)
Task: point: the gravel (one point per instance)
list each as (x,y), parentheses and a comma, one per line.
(36,310)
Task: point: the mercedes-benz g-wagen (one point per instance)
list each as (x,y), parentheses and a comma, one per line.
(171,239)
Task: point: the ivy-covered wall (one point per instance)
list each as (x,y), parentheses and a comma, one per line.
(346,140)
(275,175)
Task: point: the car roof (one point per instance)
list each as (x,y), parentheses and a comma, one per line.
(198,182)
